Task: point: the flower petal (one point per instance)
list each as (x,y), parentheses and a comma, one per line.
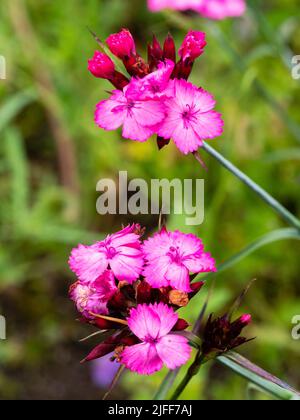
(202,263)
(173,350)
(142,358)
(88,263)
(144,322)
(178,277)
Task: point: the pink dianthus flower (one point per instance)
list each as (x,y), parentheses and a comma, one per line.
(121,252)
(139,118)
(190,117)
(172,256)
(153,324)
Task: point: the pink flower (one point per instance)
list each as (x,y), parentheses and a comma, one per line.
(172,256)
(153,325)
(193,45)
(122,44)
(221,9)
(120,251)
(93,298)
(101,66)
(156,5)
(190,117)
(213,9)
(138,118)
(155,85)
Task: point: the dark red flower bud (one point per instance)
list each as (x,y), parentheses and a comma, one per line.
(196,287)
(155,54)
(104,348)
(103,324)
(221,335)
(169,51)
(161,142)
(180,325)
(143,293)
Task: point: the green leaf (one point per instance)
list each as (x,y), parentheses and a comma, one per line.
(259,377)
(11,108)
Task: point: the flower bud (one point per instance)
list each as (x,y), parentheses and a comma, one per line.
(122,44)
(169,51)
(101,66)
(221,335)
(193,46)
(180,325)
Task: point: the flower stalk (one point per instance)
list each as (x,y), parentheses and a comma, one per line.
(193,371)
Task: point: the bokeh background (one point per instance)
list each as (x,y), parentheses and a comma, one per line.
(52,155)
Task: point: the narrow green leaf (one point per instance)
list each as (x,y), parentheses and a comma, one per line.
(259,377)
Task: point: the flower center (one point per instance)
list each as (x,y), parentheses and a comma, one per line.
(189,115)
(111,252)
(151,340)
(174,254)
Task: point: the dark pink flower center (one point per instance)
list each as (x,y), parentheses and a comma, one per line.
(151,340)
(174,254)
(189,115)
(111,252)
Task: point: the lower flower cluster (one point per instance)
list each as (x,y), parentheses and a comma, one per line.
(133,289)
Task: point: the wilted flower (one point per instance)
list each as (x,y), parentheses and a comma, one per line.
(92,299)
(152,325)
(172,256)
(120,251)
(221,335)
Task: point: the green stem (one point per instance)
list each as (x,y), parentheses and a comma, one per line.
(193,371)
(266,197)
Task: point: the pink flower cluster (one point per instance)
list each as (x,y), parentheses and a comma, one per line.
(212,9)
(142,285)
(156,98)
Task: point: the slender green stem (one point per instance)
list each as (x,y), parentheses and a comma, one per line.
(193,371)
(264,195)
(166,385)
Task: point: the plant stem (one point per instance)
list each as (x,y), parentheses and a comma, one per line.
(263,194)
(114,382)
(193,371)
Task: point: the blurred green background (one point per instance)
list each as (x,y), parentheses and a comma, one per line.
(52,155)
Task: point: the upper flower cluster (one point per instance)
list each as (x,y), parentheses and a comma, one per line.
(156,97)
(142,285)
(212,9)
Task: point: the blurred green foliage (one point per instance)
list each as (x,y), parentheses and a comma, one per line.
(52,155)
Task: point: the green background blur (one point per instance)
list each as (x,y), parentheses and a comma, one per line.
(52,155)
